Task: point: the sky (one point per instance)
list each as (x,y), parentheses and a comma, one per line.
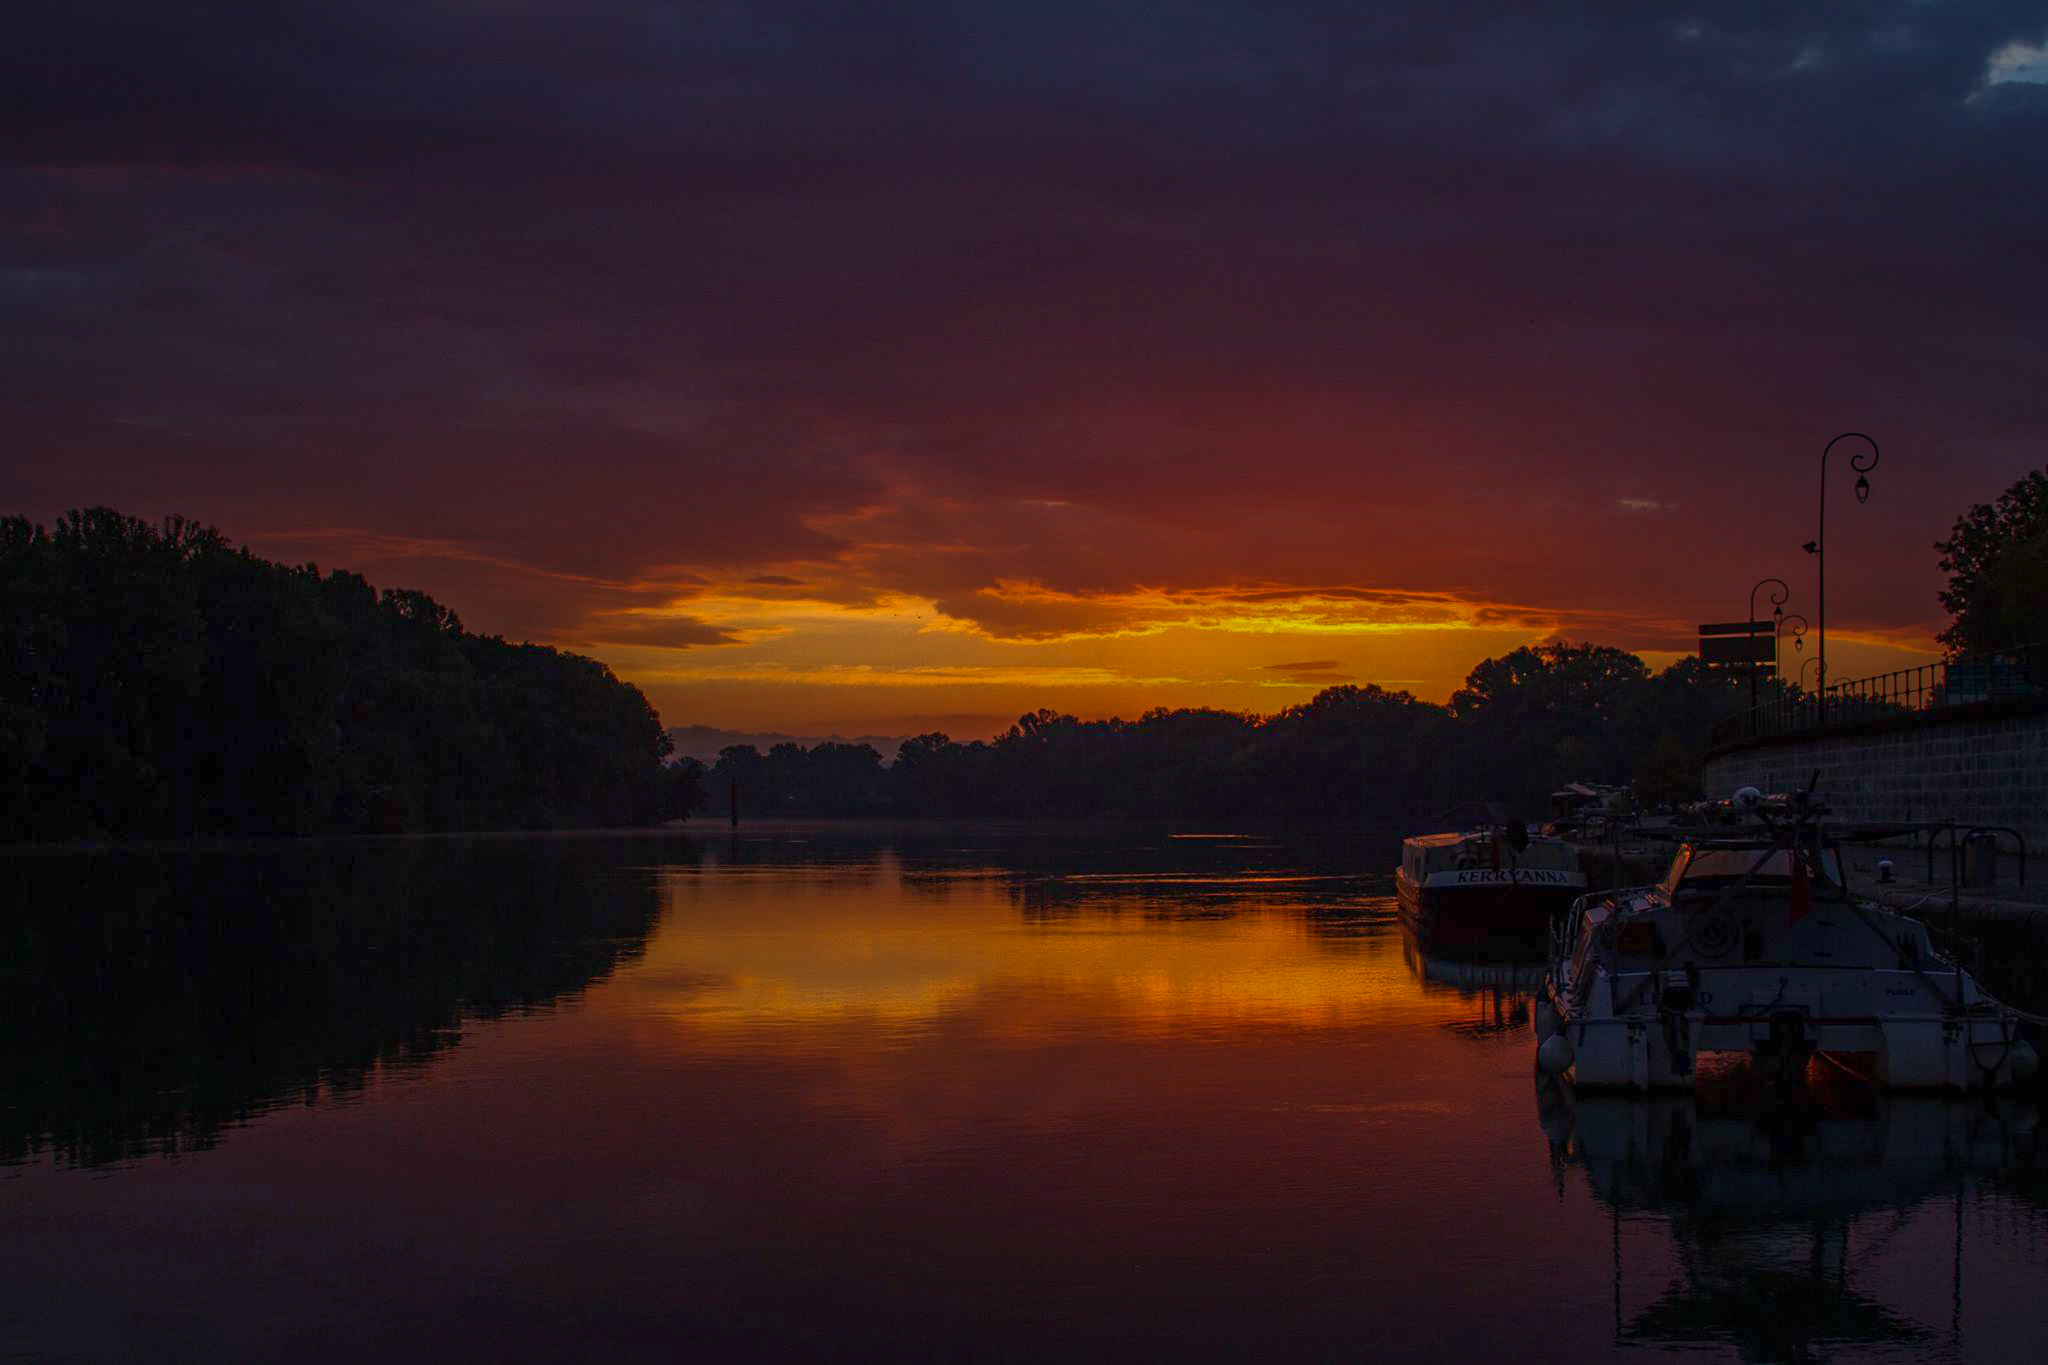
(889,367)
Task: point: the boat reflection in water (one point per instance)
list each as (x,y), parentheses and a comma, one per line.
(1781,1215)
(1504,991)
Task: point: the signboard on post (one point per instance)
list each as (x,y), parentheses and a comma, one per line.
(1738,644)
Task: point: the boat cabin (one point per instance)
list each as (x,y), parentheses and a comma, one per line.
(1708,869)
(1427,854)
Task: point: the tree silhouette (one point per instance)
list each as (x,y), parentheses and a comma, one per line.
(1997,562)
(159,682)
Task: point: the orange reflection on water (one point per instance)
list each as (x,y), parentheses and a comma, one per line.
(939,1007)
(835,1097)
(777,951)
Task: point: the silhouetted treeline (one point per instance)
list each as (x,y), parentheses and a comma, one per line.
(1522,726)
(159,682)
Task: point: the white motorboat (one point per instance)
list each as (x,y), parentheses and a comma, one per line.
(1754,944)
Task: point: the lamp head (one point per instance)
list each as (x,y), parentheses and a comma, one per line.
(1862,489)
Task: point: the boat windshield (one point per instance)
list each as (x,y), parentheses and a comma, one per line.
(1713,868)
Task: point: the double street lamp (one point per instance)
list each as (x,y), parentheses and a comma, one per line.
(1777,626)
(1780,624)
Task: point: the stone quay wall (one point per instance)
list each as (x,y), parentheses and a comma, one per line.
(1975,770)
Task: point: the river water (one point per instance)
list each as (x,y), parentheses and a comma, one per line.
(870,1093)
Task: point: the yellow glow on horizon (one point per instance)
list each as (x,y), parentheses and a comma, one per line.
(808,646)
(869,675)
(1262,609)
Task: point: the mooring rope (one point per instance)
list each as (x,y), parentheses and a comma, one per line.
(2013,1010)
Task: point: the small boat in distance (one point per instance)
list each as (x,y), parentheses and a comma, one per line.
(1486,893)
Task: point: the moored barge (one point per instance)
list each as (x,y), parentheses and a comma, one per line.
(1486,893)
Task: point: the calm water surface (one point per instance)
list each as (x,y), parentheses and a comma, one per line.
(904,1094)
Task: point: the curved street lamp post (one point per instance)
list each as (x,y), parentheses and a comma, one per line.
(1862,462)
(1795,625)
(1798,633)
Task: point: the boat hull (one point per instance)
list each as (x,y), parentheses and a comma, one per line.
(1906,1051)
(1495,922)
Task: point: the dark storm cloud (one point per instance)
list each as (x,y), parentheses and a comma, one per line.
(1089,294)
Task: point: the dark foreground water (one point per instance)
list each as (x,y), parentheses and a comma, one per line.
(886,1095)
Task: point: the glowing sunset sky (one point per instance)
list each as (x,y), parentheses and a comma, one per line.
(877,366)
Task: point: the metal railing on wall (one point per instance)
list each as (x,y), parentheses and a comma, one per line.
(2007,676)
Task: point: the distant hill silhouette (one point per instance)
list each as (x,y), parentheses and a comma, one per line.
(704,742)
